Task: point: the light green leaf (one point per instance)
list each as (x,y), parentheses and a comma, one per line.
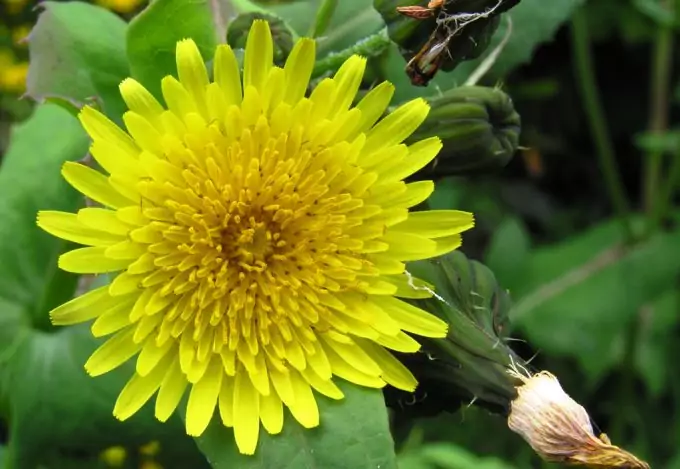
(30,180)
(579,296)
(153,34)
(353,433)
(45,394)
(508,251)
(77,55)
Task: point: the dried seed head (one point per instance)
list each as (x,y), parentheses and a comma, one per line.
(559,429)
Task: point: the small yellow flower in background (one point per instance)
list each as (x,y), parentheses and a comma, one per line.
(150,465)
(114,456)
(120,6)
(260,237)
(15,6)
(19,35)
(13,77)
(152,448)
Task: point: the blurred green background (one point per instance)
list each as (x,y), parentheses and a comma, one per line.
(581,226)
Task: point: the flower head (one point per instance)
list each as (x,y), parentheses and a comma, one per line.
(260,238)
(559,429)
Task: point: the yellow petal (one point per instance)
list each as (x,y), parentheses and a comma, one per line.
(374,104)
(304,409)
(342,369)
(112,353)
(139,100)
(203,398)
(143,131)
(353,355)
(227,75)
(298,68)
(192,72)
(115,318)
(271,413)
(150,355)
(324,386)
(82,308)
(436,223)
(398,125)
(411,318)
(347,80)
(226,401)
(399,343)
(139,390)
(246,412)
(259,55)
(393,371)
(420,154)
(94,185)
(104,220)
(90,261)
(101,129)
(172,389)
(67,226)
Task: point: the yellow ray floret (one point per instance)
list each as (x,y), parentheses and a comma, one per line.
(259,238)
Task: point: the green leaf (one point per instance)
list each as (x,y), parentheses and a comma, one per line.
(654,352)
(55,406)
(152,37)
(578,297)
(508,251)
(45,394)
(30,180)
(77,55)
(353,433)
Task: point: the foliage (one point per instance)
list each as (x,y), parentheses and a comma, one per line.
(595,291)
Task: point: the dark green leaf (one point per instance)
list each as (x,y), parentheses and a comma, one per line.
(578,297)
(78,55)
(75,414)
(152,37)
(533,23)
(353,433)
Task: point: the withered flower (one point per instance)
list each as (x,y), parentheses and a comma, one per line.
(559,429)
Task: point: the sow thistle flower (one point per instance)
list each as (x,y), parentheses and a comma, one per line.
(260,238)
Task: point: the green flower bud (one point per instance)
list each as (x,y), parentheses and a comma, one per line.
(479,128)
(472,362)
(283,35)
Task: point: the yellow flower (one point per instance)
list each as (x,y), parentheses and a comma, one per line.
(114,456)
(260,235)
(119,6)
(13,77)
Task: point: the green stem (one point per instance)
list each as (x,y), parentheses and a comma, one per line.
(658,117)
(585,75)
(323,17)
(372,46)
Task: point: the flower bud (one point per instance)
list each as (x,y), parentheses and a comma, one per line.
(479,128)
(282,34)
(559,429)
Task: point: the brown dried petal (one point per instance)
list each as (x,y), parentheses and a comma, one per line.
(559,429)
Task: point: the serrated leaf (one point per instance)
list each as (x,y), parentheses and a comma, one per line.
(77,55)
(354,432)
(153,34)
